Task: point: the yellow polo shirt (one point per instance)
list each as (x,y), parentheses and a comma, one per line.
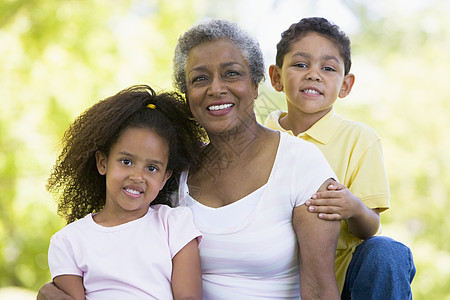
(354,151)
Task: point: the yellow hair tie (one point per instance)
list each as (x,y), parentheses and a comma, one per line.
(151,106)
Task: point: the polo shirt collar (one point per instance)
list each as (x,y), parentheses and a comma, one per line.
(324,129)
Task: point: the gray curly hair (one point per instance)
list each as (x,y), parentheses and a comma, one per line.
(210,31)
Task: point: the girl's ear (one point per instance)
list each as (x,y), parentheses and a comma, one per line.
(347,85)
(166,177)
(101,161)
(275,78)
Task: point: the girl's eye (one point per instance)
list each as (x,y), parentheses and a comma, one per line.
(152,168)
(126,161)
(329,69)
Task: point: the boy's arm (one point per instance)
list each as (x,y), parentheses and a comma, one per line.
(317,240)
(72,285)
(186,273)
(366,225)
(338,203)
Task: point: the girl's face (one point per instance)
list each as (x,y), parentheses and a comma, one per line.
(135,170)
(219,86)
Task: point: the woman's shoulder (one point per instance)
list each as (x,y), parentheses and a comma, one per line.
(297,154)
(294,144)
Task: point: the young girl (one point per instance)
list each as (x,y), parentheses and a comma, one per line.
(120,163)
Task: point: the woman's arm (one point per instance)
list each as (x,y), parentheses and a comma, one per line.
(186,273)
(317,240)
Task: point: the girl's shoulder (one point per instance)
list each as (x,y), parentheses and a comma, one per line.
(166,212)
(177,220)
(75,227)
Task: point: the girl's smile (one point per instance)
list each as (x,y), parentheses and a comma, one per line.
(135,171)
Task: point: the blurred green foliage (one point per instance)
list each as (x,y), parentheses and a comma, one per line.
(56,59)
(408,102)
(59,57)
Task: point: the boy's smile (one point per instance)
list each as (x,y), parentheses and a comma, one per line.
(312,77)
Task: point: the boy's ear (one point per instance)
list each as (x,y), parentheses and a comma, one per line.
(101,160)
(347,85)
(275,78)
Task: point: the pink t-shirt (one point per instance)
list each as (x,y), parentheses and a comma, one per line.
(128,261)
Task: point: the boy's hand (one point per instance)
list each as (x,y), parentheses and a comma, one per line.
(338,203)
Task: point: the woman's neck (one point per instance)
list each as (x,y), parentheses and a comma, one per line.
(235,146)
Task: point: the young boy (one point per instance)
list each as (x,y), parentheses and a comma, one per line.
(313,69)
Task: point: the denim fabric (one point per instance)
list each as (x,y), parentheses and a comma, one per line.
(381,268)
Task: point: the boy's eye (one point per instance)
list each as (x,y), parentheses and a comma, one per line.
(330,69)
(300,65)
(126,161)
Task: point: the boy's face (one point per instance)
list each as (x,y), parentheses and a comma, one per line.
(312,76)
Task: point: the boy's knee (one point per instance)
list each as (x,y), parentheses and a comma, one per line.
(386,245)
(386,249)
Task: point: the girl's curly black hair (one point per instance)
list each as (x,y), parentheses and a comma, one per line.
(80,188)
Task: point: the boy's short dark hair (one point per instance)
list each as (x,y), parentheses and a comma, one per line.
(318,25)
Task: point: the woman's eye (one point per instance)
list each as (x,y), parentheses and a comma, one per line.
(198,79)
(231,73)
(126,161)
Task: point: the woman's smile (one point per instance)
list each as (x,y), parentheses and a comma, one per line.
(219,86)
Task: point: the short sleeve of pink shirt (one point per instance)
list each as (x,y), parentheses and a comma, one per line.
(178,222)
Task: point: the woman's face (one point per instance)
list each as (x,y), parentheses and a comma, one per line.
(219,86)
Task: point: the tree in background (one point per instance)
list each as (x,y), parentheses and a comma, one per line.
(57,58)
(405,56)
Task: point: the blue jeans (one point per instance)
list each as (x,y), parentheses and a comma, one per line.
(381,268)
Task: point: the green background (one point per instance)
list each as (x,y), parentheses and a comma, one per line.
(59,57)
